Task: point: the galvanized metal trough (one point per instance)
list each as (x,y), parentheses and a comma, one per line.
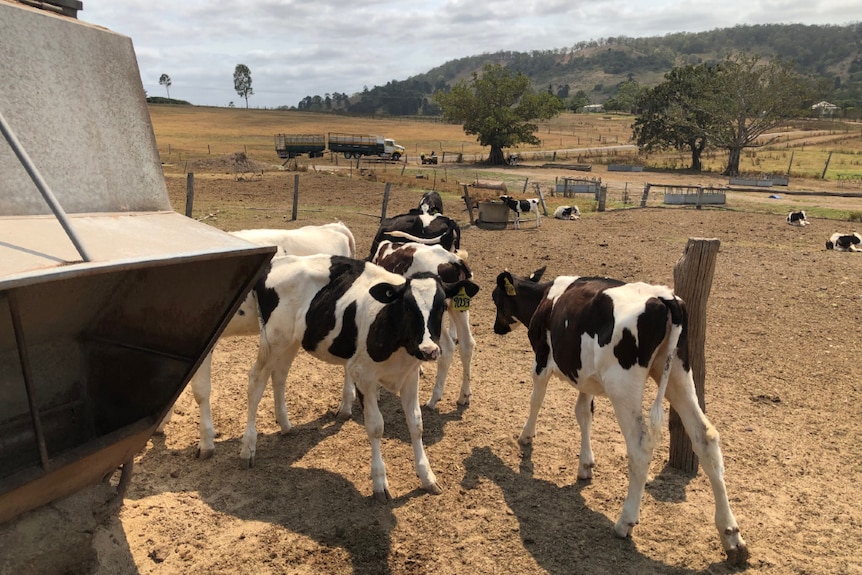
(109,299)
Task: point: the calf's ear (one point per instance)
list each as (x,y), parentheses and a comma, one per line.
(386,293)
(452,289)
(506,283)
(537,275)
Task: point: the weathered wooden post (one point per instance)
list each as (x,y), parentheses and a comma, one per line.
(190,193)
(645,196)
(295,197)
(385,201)
(469,203)
(603,197)
(692,277)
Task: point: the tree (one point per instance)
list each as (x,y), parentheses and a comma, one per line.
(746,99)
(242,82)
(165,81)
(499,108)
(668,116)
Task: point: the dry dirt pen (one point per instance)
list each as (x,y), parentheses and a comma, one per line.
(783,388)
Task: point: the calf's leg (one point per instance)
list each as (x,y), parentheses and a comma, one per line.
(410,403)
(584,415)
(705,442)
(374,429)
(628,408)
(201,384)
(466,345)
(537,398)
(444,361)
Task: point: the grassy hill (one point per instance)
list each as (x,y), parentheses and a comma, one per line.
(830,54)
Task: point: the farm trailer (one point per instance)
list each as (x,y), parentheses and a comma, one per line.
(351,145)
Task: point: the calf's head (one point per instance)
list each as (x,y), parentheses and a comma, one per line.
(413,316)
(515,299)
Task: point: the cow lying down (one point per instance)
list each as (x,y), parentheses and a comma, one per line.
(333,238)
(567,213)
(844,242)
(379,325)
(410,259)
(797,218)
(607,337)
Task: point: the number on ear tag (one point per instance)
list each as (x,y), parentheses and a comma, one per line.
(461,301)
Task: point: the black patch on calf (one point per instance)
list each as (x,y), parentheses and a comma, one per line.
(320,318)
(395,326)
(652,329)
(267,298)
(344,345)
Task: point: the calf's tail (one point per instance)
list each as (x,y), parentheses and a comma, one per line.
(656,414)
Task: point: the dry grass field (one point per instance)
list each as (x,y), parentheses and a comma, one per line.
(783,386)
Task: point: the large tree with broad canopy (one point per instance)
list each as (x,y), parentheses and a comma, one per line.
(499,108)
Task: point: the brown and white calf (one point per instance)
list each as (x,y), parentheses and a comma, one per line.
(334,239)
(607,337)
(522,207)
(379,325)
(409,259)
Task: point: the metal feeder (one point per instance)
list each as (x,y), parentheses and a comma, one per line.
(109,299)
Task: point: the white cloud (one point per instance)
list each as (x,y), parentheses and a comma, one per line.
(298,48)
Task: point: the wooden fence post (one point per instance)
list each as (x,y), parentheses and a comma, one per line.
(190,193)
(645,196)
(295,197)
(385,201)
(603,197)
(692,277)
(469,203)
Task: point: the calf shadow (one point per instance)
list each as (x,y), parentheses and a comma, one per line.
(556,526)
(318,504)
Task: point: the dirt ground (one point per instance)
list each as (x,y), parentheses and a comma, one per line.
(783,388)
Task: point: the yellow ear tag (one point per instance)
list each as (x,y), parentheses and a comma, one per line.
(461,301)
(510,289)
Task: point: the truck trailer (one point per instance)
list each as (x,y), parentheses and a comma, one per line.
(293,145)
(351,145)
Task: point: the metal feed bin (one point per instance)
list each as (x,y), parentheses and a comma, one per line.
(109,299)
(493,213)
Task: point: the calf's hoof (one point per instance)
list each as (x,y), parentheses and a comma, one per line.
(585,472)
(382,496)
(463,401)
(738,556)
(204,453)
(525,439)
(623,530)
(433,488)
(247,462)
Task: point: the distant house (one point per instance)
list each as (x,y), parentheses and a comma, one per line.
(824,108)
(593,108)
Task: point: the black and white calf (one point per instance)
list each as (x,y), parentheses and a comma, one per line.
(522,207)
(431,203)
(409,259)
(334,239)
(444,230)
(797,218)
(567,213)
(607,337)
(844,242)
(379,325)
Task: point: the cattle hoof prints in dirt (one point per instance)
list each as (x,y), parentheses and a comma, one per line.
(607,337)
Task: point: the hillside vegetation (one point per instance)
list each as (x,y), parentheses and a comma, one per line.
(830,54)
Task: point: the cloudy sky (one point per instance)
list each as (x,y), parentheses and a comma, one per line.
(298,48)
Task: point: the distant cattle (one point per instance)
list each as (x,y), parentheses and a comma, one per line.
(334,239)
(567,213)
(522,207)
(418,224)
(797,218)
(409,259)
(844,242)
(607,337)
(381,326)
